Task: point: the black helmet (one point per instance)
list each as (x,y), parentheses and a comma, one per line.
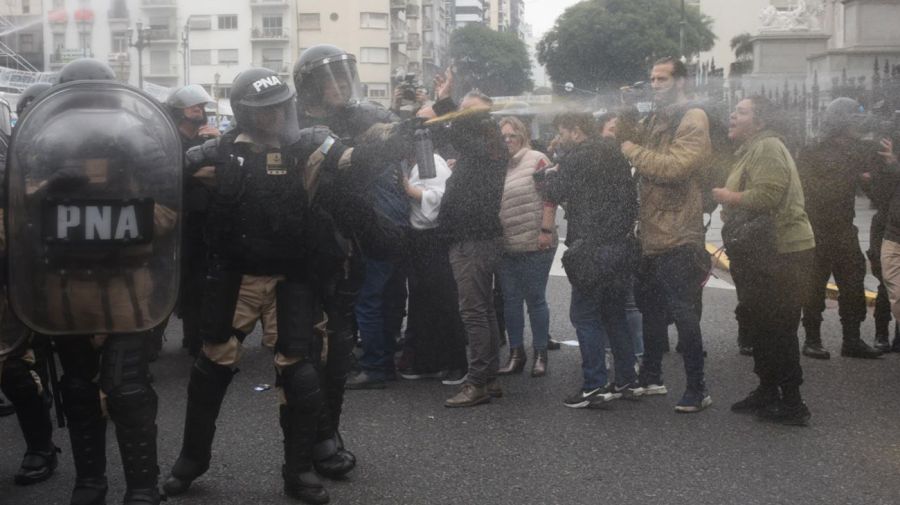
(257,88)
(324,67)
(86,69)
(29,95)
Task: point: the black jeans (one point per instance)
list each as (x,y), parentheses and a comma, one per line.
(767,294)
(669,285)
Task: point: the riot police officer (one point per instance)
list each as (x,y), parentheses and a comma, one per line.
(329,93)
(30,94)
(187,105)
(21,360)
(259,223)
(95,195)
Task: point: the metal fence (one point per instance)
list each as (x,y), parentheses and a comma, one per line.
(802,106)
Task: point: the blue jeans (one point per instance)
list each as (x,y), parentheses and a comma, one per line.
(377,344)
(523,277)
(595,316)
(635,320)
(669,286)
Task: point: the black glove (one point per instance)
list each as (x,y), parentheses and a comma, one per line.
(204,155)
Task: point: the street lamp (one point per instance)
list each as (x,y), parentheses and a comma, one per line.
(143,40)
(186,44)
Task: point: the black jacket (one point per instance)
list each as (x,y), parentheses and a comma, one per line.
(830,173)
(470,209)
(594,182)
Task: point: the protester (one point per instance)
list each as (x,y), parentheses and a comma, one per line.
(529,246)
(594,180)
(669,151)
(765,181)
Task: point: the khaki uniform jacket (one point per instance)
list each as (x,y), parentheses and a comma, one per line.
(669,170)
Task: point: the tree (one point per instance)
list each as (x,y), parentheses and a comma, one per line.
(743,54)
(496,63)
(603,44)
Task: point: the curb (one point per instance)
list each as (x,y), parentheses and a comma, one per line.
(720,259)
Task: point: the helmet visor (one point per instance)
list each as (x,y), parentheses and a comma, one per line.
(336,83)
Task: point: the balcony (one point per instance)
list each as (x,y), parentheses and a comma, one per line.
(412,11)
(162,35)
(398,4)
(276,66)
(268,3)
(163,71)
(269,35)
(428,51)
(159,4)
(413,42)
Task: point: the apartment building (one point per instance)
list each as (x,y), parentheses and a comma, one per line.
(21,35)
(469,11)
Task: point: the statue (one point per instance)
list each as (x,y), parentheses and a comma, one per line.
(803,17)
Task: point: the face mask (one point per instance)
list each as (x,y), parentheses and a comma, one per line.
(196,121)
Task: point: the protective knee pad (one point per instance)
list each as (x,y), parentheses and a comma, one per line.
(124,361)
(300,383)
(18,383)
(132,405)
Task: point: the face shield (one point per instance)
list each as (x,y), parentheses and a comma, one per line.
(276,120)
(334,83)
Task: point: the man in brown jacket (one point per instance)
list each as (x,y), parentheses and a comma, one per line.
(669,151)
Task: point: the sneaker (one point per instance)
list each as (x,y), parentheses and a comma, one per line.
(693,401)
(413,375)
(757,399)
(630,391)
(469,395)
(365,379)
(652,386)
(584,398)
(454,377)
(781,413)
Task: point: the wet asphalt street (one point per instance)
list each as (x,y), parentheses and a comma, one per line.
(527,448)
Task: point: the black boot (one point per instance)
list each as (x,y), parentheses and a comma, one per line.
(854,347)
(33,415)
(331,459)
(812,347)
(300,481)
(206,390)
(895,347)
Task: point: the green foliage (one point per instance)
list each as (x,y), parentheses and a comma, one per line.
(603,44)
(496,63)
(743,53)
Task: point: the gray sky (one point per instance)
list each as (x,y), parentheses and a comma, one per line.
(541,14)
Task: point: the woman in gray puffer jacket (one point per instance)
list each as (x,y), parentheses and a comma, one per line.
(529,246)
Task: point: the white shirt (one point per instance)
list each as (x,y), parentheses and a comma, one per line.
(423,215)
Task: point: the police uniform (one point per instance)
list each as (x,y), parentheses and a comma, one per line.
(347,207)
(95,196)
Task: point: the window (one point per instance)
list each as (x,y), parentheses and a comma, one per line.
(228,22)
(200,22)
(373,55)
(377,90)
(273,59)
(159,62)
(59,41)
(120,42)
(308,22)
(374,20)
(26,43)
(228,56)
(201,57)
(26,7)
(272,26)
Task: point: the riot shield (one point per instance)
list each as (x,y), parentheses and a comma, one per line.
(94,195)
